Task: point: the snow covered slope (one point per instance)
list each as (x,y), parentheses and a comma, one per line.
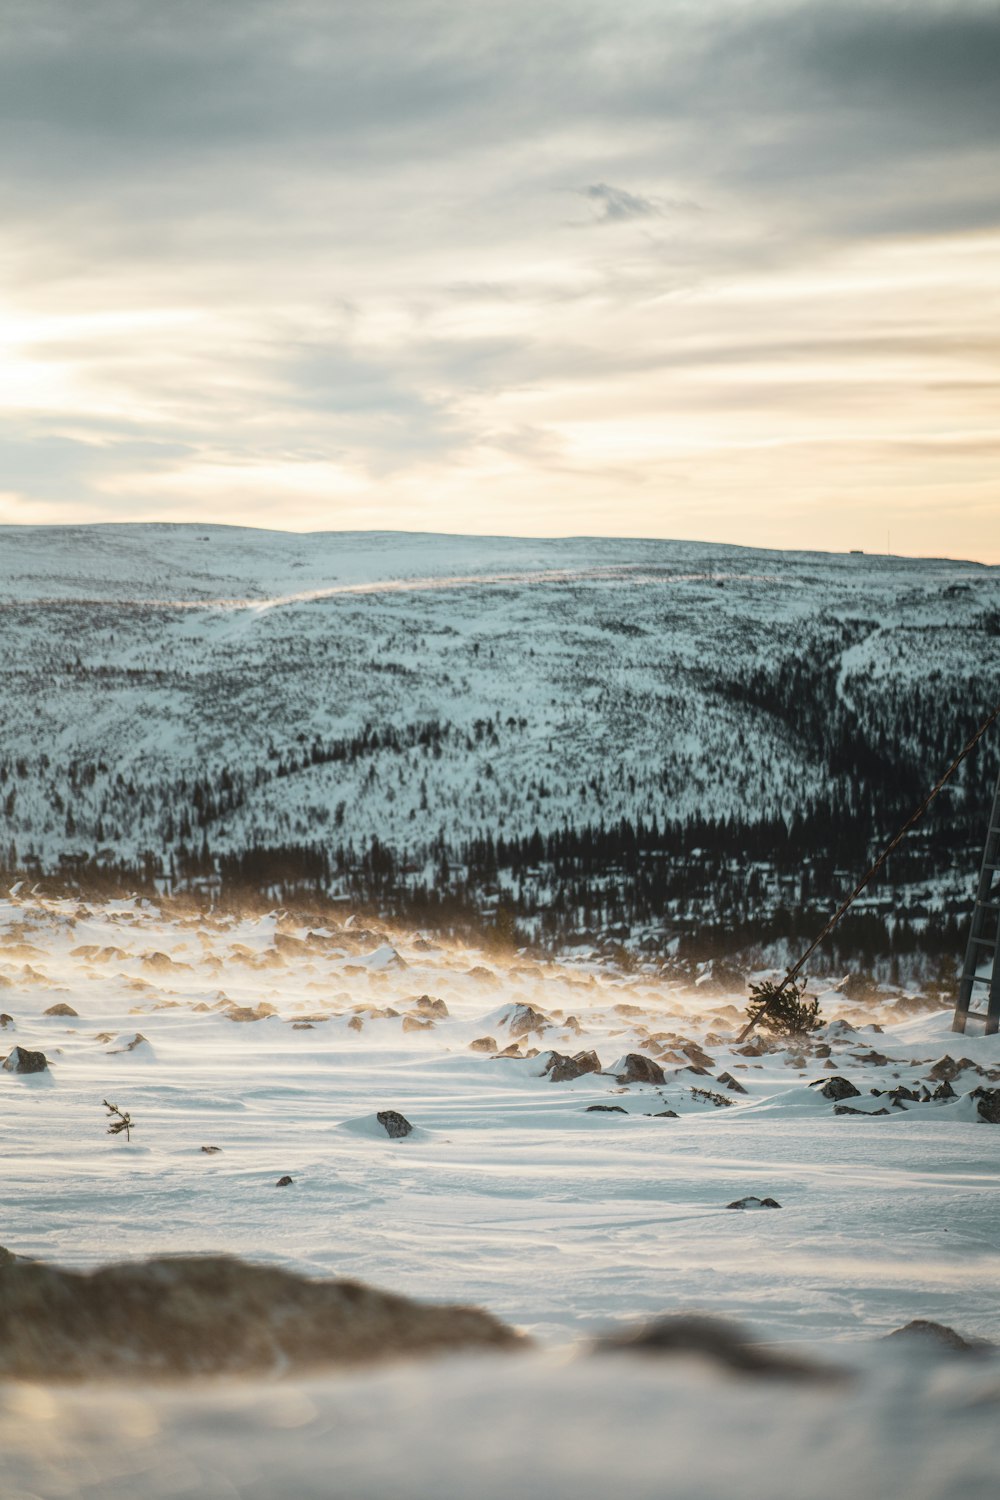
(277,1043)
(173,691)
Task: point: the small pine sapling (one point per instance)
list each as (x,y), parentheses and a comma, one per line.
(120,1121)
(782,1010)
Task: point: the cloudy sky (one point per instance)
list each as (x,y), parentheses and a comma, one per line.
(713,270)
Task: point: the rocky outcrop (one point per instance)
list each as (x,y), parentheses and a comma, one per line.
(212,1315)
(61,1009)
(987,1105)
(520,1019)
(562,1069)
(836,1088)
(635,1067)
(938,1337)
(395,1125)
(725,1344)
(22,1060)
(752,1202)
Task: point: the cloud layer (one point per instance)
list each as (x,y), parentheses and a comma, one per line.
(718,271)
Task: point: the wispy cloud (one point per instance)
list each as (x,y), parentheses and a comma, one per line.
(312,260)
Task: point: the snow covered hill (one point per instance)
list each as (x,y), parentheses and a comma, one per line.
(399,717)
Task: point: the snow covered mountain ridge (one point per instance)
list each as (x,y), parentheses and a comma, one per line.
(654,737)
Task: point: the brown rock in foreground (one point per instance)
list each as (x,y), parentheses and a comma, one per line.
(213,1315)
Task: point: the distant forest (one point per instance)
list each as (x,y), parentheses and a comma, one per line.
(690,888)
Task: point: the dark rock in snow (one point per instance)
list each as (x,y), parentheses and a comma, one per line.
(938,1337)
(731,1083)
(848,1109)
(483,1044)
(431,1006)
(5,1021)
(752,1202)
(416,1023)
(62,1009)
(726,1344)
(987,1104)
(605,1109)
(283,1182)
(393,1123)
(211,1150)
(520,1019)
(562,1069)
(946,1068)
(836,1088)
(664,1114)
(944,1091)
(355,1024)
(21,1060)
(211,1315)
(697,1056)
(640,1069)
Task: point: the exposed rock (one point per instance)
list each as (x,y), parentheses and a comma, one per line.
(627,1010)
(129,1046)
(211,1150)
(637,1068)
(848,1109)
(431,1006)
(5,1021)
(21,1060)
(756,1048)
(394,1124)
(484,975)
(303,1026)
(520,1019)
(416,1023)
(938,1336)
(731,1083)
(605,1109)
(664,1114)
(562,1069)
(726,1344)
(355,1024)
(61,1009)
(483,1044)
(839,1031)
(987,1104)
(283,1182)
(158,962)
(697,1056)
(588,1060)
(514,1050)
(946,1068)
(249,1012)
(207,1315)
(752,1202)
(944,1091)
(836,1088)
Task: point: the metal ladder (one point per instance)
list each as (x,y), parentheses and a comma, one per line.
(984,938)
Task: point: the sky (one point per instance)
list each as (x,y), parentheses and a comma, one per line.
(721,270)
